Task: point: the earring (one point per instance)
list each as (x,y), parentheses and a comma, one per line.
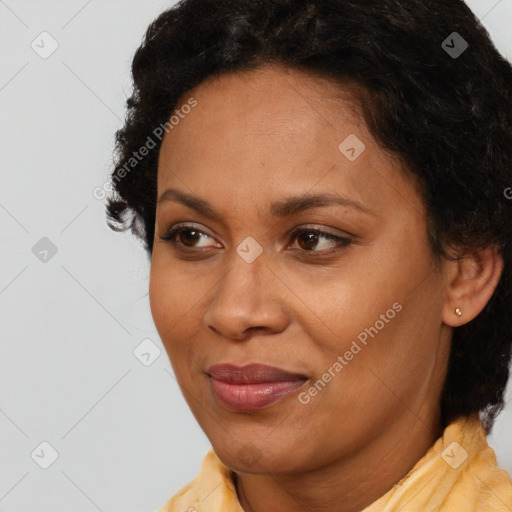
(458,312)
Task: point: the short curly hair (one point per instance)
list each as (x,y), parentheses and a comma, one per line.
(444,111)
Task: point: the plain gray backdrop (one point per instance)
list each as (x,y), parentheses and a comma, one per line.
(91,416)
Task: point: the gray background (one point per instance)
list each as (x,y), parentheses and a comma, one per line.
(72,320)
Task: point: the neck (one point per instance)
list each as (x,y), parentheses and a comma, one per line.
(346,485)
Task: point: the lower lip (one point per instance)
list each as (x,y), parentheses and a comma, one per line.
(251,397)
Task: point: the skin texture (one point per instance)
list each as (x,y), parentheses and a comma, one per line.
(261,136)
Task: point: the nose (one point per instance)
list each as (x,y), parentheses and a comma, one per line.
(249,298)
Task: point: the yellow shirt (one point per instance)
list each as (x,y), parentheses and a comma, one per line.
(457,474)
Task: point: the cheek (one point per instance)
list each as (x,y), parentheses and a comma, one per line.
(344,305)
(171,293)
(374,316)
(158,296)
(174,300)
(389,363)
(164,297)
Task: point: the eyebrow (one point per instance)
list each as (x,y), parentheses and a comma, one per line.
(283,208)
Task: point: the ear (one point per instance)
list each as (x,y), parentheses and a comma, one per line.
(471,281)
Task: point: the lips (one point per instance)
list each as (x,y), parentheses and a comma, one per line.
(251,374)
(253,386)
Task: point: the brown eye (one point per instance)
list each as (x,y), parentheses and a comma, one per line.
(189,236)
(184,236)
(309,239)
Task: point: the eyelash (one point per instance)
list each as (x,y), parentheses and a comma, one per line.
(171,235)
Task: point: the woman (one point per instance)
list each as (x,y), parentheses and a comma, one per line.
(322,189)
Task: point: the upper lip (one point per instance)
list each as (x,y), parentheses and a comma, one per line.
(251,373)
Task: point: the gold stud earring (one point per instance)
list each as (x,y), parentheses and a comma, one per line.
(458,312)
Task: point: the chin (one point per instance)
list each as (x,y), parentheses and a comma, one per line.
(261,457)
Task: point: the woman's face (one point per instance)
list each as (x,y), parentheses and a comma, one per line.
(352,323)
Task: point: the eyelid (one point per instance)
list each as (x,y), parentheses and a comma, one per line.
(343,238)
(176,228)
(190,225)
(319,227)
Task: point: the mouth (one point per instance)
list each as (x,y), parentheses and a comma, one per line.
(252,387)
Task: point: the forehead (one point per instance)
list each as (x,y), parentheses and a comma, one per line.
(275,131)
(273,97)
